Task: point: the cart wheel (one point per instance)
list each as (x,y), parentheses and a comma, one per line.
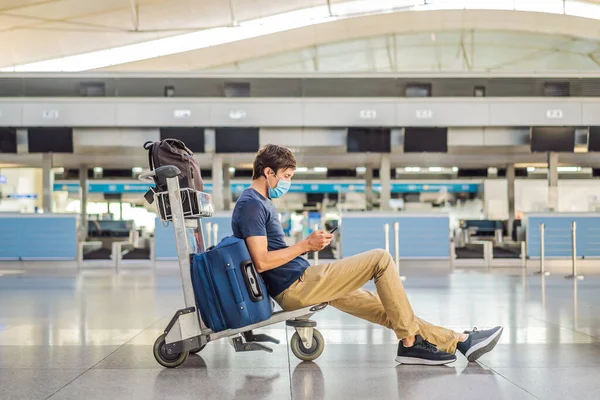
(302,352)
(197,350)
(165,359)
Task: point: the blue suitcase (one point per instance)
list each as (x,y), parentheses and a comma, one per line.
(229,292)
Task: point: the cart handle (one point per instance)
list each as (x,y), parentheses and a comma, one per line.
(167,171)
(147,176)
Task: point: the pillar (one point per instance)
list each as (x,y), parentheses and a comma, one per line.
(47,182)
(226,188)
(217,182)
(84,188)
(369,187)
(510,181)
(386,182)
(553,181)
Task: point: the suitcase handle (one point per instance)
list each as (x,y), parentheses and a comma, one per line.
(233,281)
(251,279)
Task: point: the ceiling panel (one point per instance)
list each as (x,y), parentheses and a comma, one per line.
(37,30)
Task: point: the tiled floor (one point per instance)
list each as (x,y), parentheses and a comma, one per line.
(89,335)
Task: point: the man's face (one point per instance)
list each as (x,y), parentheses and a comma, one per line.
(282,174)
(286,174)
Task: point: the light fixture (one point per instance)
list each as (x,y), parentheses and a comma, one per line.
(435,169)
(412,169)
(301,170)
(530,169)
(361,170)
(320,169)
(137,170)
(231,169)
(569,169)
(454,169)
(98,172)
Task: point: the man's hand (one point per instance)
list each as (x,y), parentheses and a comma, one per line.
(318,240)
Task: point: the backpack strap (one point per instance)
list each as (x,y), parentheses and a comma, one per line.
(150,147)
(179,144)
(149,195)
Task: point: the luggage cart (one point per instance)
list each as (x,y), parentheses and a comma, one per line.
(186,332)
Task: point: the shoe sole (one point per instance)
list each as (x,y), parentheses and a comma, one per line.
(421,361)
(483,347)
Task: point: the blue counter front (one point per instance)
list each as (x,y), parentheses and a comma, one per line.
(558,234)
(43,237)
(421,236)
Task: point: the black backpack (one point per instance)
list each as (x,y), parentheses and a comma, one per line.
(173,152)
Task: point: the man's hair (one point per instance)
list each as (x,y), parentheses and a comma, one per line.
(274,157)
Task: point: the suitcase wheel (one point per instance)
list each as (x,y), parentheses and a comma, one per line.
(164,358)
(304,354)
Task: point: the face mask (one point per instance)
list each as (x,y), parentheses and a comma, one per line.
(279,190)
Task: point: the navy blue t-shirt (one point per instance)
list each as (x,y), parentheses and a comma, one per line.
(255,215)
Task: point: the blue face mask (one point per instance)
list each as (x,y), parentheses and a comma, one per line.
(279,190)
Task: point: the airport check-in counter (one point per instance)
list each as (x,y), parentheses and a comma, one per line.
(421,236)
(38,237)
(114,243)
(560,231)
(480,243)
(418,236)
(477,229)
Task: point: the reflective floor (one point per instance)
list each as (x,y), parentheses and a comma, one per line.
(89,335)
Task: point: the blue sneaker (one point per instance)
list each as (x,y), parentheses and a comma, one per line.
(479,342)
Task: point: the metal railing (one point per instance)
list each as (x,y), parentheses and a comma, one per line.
(573,245)
(542,270)
(212,234)
(316,253)
(386,243)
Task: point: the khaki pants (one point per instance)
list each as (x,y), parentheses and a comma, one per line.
(339,283)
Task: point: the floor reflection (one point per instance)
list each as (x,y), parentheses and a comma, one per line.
(195,379)
(308,382)
(105,323)
(575,303)
(256,384)
(463,380)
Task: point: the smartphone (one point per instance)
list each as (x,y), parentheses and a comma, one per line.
(334,229)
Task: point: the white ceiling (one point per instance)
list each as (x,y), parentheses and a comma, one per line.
(38,30)
(423,41)
(458,50)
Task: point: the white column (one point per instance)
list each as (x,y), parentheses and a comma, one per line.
(83,187)
(510,181)
(217,182)
(369,187)
(553,181)
(227,199)
(47,182)
(386,182)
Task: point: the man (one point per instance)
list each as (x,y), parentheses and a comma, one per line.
(294,284)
